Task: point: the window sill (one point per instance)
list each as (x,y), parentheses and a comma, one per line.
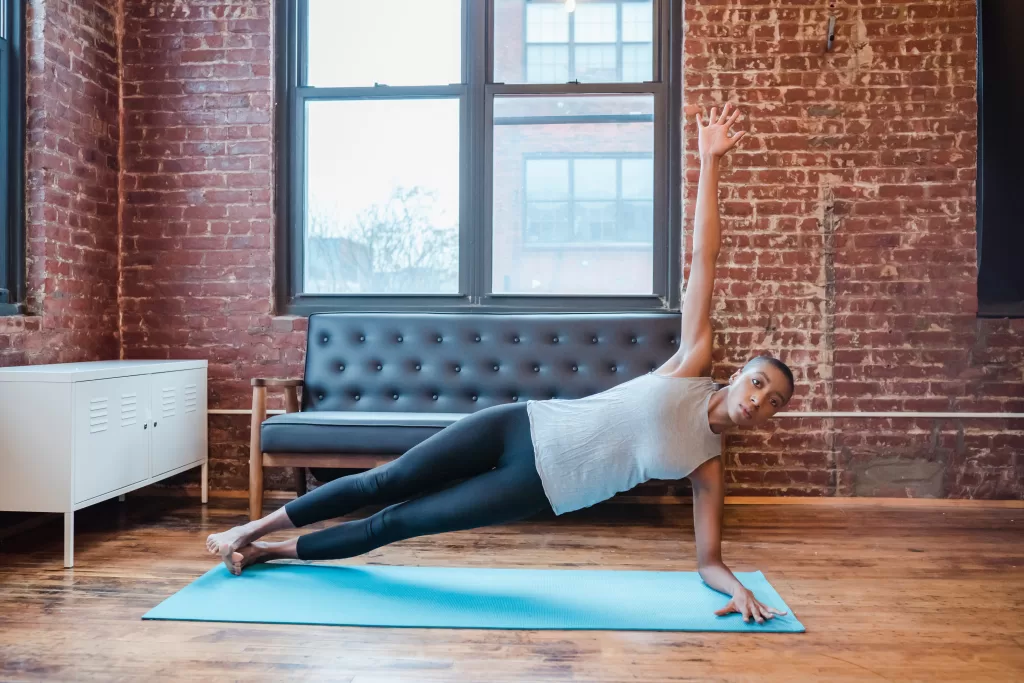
(1008,309)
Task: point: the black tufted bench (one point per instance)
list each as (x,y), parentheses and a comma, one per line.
(377,384)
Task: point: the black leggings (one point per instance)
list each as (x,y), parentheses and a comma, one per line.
(491,450)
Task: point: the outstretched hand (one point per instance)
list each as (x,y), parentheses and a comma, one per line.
(714,138)
(746,604)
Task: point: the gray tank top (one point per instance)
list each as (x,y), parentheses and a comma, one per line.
(651,427)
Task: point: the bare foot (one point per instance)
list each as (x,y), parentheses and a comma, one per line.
(253,553)
(227,542)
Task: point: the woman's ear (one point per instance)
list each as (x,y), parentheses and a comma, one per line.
(735,376)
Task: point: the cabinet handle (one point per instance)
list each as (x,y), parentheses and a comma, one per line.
(145,426)
(154,424)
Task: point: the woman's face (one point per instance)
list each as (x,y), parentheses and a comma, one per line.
(757,394)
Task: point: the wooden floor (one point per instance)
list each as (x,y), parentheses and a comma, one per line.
(886,594)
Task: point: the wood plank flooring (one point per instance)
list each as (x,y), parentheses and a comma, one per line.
(899,594)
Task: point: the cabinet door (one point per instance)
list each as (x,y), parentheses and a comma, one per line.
(111,434)
(179,419)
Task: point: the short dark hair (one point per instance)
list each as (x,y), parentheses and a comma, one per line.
(778,365)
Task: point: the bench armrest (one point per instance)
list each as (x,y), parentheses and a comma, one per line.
(271,382)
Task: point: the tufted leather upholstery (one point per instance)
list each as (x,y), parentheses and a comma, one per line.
(379,373)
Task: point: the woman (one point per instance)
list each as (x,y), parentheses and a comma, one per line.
(512,461)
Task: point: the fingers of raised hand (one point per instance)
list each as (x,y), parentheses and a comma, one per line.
(714,116)
(732,119)
(725,111)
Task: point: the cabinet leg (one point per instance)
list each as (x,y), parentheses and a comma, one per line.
(205,476)
(69,539)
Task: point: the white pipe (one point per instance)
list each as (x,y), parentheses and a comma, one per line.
(801,414)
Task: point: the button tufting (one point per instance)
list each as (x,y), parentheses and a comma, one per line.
(341,368)
(400,340)
(575,368)
(554,340)
(394,396)
(356,397)
(515,398)
(362,338)
(632,340)
(379,366)
(593,340)
(515,340)
(614,369)
(458,369)
(672,341)
(477,338)
(439,339)
(474,397)
(495,368)
(417,366)
(536,368)
(320,396)
(434,396)
(325,339)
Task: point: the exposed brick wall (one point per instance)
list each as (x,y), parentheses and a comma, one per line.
(71,170)
(197,266)
(849,232)
(850,244)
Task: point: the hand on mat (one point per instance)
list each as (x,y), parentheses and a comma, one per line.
(714,138)
(746,604)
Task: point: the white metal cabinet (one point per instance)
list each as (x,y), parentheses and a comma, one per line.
(111,434)
(179,419)
(75,434)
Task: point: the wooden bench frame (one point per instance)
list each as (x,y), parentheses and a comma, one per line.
(299,461)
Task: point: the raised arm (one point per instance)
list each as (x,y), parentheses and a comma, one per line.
(694,355)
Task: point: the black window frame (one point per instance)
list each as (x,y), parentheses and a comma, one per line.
(477,93)
(12,156)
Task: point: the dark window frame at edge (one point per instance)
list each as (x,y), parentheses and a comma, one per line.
(12,157)
(475,192)
(986,309)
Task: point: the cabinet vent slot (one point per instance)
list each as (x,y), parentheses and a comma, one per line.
(191,398)
(167,403)
(129,409)
(98,414)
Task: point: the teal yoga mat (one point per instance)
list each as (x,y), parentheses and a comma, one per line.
(467,597)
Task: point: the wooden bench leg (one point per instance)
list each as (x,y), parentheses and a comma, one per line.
(300,482)
(259,414)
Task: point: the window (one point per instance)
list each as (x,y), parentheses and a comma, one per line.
(589,201)
(12,131)
(1000,238)
(485,154)
(598,42)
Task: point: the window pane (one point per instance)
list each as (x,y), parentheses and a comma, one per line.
(356,43)
(609,42)
(637,63)
(547,179)
(600,242)
(595,23)
(547,24)
(547,221)
(637,26)
(382,202)
(596,64)
(547,63)
(594,178)
(638,179)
